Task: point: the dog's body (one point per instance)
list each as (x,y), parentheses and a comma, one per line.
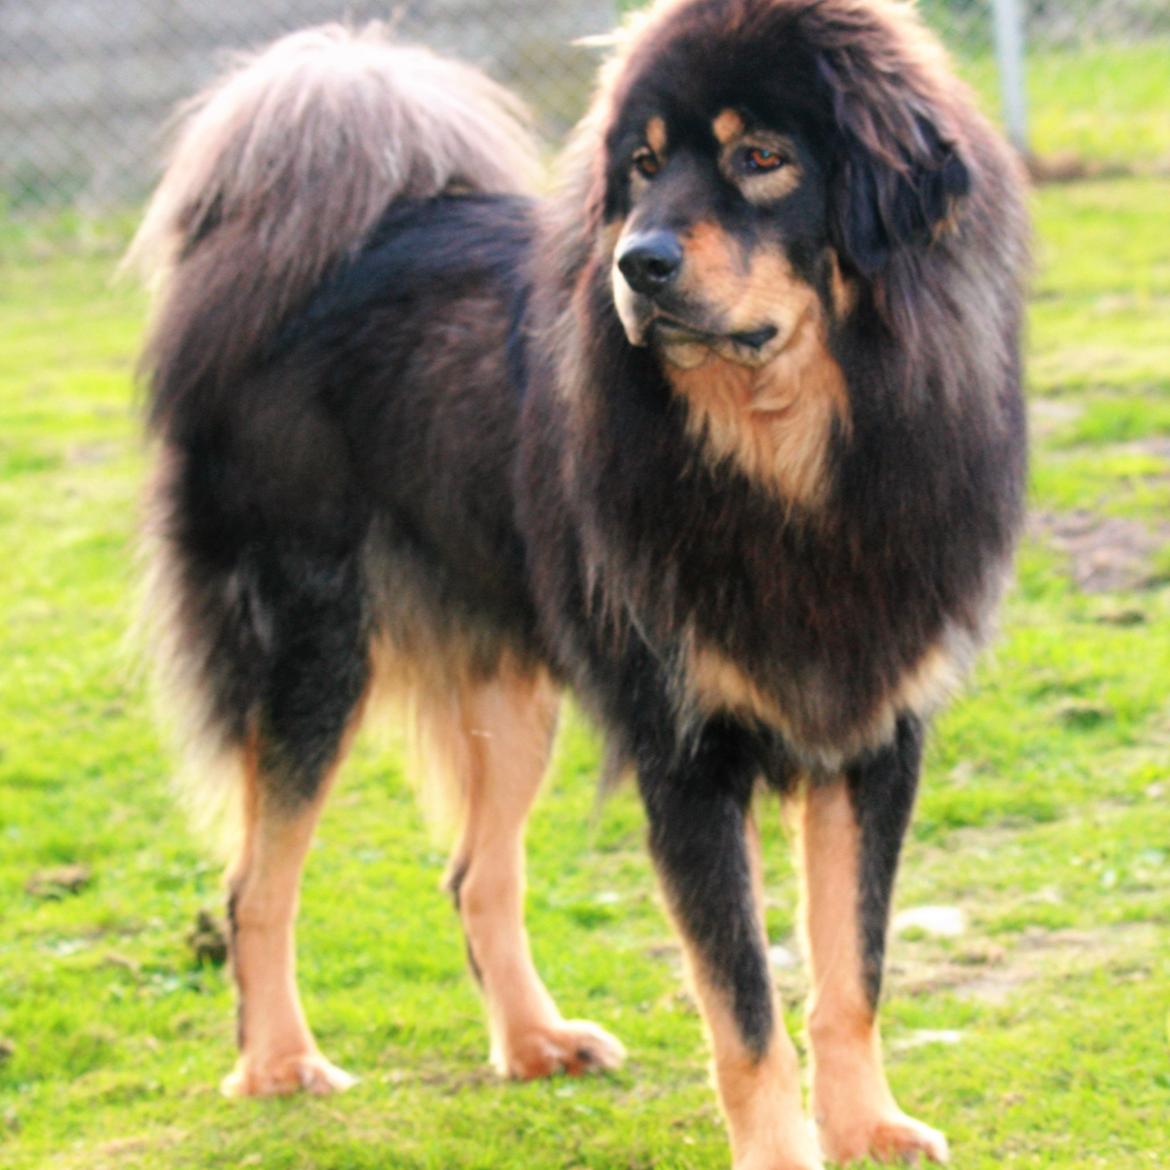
(726,437)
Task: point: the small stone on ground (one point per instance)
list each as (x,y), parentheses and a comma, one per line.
(940,921)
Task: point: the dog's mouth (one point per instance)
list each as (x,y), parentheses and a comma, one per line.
(684,336)
(671,328)
(685,344)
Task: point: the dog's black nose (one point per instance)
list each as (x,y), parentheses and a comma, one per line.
(650,261)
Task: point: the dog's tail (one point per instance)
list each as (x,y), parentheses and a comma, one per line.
(282,167)
(280,171)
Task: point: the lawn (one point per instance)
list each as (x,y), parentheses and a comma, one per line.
(1036,1036)
(1103,105)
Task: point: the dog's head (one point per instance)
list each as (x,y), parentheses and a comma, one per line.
(764,160)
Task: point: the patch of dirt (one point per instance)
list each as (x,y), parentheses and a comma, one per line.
(1107,554)
(121,1148)
(93,454)
(994,971)
(1155,446)
(993,974)
(445,1077)
(1046,416)
(1070,167)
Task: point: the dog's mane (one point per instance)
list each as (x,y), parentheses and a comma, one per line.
(925,492)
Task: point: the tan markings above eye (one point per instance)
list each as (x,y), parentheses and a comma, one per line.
(656,135)
(727,126)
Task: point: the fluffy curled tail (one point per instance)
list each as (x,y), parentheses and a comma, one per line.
(281,168)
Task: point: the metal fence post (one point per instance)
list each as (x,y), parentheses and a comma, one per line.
(1009,54)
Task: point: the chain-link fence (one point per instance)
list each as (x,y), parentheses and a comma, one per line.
(1051,24)
(86,85)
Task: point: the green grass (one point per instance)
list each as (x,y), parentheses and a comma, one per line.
(1108,104)
(1045,816)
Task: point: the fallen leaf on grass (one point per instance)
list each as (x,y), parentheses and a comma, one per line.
(124,962)
(208,940)
(1126,615)
(1081,715)
(58,882)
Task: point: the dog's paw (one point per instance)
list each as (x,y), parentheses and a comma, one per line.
(306,1072)
(568,1046)
(894,1138)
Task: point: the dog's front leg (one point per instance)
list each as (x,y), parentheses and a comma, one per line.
(851,832)
(698,808)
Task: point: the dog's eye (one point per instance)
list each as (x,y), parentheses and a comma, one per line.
(646,162)
(759,159)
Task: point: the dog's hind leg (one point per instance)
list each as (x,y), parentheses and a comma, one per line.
(277,1051)
(507,726)
(702,842)
(315,684)
(851,832)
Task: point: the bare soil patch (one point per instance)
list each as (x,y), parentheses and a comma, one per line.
(1107,554)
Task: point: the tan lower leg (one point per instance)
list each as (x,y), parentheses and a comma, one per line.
(759,1094)
(851,1099)
(277,1050)
(508,725)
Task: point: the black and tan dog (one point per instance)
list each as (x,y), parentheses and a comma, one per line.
(726,437)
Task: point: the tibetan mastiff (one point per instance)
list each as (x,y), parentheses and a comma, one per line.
(724,436)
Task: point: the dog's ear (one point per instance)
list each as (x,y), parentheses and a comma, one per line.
(897,175)
(598,198)
(583,170)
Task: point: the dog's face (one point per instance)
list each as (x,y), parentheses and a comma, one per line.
(750,183)
(723,236)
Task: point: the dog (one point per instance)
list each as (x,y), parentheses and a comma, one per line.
(724,436)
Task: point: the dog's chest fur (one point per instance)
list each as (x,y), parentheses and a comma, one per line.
(770,588)
(774,424)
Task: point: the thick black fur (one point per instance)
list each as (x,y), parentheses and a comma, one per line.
(334,441)
(697,809)
(882,788)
